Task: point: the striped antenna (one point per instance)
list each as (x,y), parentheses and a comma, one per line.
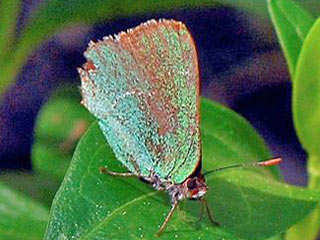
(269,162)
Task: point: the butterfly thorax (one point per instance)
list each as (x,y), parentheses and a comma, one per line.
(193,188)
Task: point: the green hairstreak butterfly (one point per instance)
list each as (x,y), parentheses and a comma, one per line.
(143,87)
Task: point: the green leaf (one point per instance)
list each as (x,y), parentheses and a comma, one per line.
(292,23)
(306,115)
(254,207)
(234,133)
(49,160)
(20,217)
(247,203)
(61,115)
(278,237)
(306,93)
(125,209)
(309,227)
(59,126)
(40,188)
(9,10)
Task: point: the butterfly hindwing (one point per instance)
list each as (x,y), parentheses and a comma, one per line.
(143,86)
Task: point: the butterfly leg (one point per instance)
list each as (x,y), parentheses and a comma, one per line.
(200,217)
(164,224)
(127,174)
(205,204)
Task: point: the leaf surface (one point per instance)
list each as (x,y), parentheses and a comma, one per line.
(59,126)
(248,203)
(40,188)
(306,115)
(306,93)
(292,24)
(21,217)
(232,133)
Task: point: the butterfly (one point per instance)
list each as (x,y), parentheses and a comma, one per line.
(143,87)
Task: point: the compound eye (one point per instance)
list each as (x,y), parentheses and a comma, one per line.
(191,184)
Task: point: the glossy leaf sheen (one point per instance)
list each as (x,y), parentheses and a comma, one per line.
(90,205)
(306,93)
(292,23)
(21,218)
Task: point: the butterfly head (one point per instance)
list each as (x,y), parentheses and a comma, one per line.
(195,187)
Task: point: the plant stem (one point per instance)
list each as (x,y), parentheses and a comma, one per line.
(310,226)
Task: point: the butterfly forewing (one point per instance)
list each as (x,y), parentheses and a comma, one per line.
(143,86)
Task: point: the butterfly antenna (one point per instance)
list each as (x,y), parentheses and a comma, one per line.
(269,162)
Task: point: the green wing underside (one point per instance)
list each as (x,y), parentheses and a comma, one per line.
(143,86)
